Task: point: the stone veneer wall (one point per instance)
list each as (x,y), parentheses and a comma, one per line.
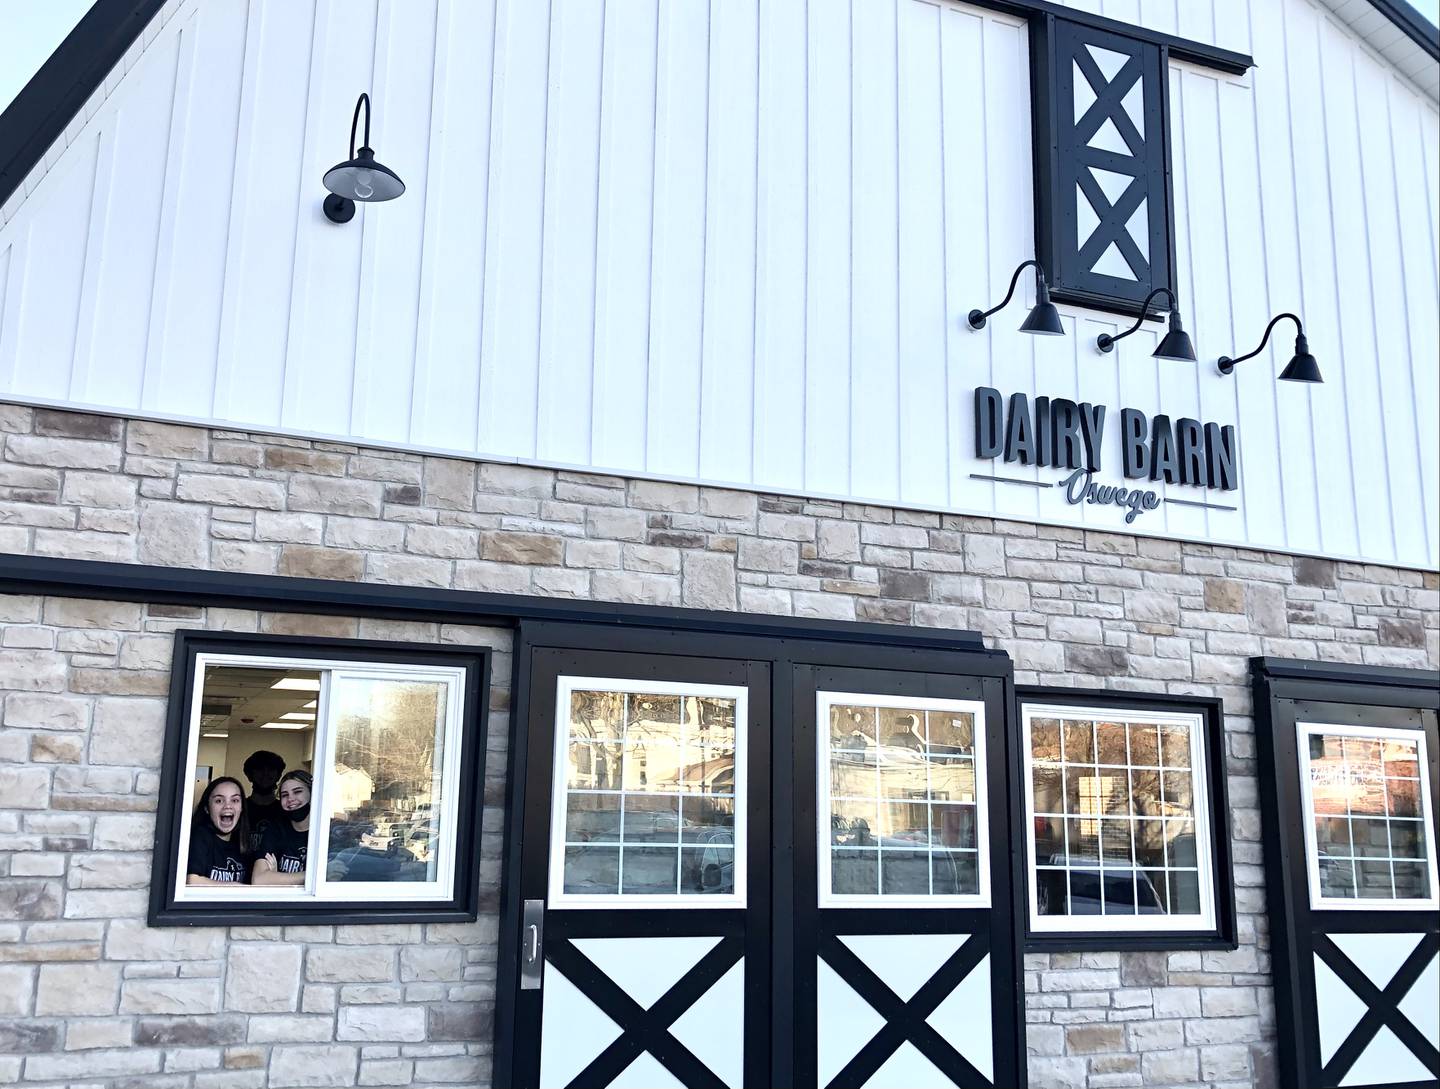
(1071,607)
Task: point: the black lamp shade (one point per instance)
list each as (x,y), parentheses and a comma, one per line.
(1301,368)
(1043,320)
(363,178)
(1176,343)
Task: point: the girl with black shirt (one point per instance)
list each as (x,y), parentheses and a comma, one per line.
(218,836)
(281,859)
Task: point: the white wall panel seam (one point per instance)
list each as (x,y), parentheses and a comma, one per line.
(1367,236)
(1326,88)
(1239,345)
(234,243)
(96,235)
(161,273)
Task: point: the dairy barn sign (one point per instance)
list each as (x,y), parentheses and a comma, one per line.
(1057,433)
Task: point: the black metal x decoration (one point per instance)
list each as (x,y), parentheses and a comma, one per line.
(1382,1006)
(645,1029)
(1109,106)
(904,1020)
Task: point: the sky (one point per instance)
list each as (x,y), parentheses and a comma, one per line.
(29,32)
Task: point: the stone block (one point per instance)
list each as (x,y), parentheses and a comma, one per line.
(57,453)
(387,1072)
(298,1066)
(465,1021)
(77,989)
(426,963)
(522,548)
(316,562)
(779,557)
(42,711)
(131,939)
(709,581)
(17,982)
(128,731)
(1094,1039)
(109,871)
(77,425)
(173,996)
(466,1069)
(262,977)
(24,788)
(162,440)
(447,542)
(32,671)
(231,491)
(123,832)
(377,1023)
(99,1032)
(350,964)
(609,523)
(408,570)
(93,1064)
(106,490)
(189,1031)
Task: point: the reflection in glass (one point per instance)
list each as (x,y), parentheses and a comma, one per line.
(1049,839)
(953,826)
(854,823)
(1175,788)
(852,728)
(953,780)
(1185,891)
(1412,880)
(854,873)
(905,873)
(1045,739)
(592,818)
(901,729)
(951,733)
(1115,843)
(1332,836)
(1144,745)
(904,822)
(387,778)
(1119,891)
(1402,797)
(592,869)
(666,767)
(1407,839)
(1084,840)
(955,873)
(1110,737)
(1401,758)
(1045,787)
(653,870)
(1175,746)
(1079,742)
(1372,880)
(1337,877)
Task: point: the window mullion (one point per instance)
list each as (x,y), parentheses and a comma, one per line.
(318,862)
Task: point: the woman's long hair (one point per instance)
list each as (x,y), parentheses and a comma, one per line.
(240,835)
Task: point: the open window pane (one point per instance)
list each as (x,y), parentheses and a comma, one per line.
(901,801)
(312,779)
(649,797)
(1113,800)
(1367,814)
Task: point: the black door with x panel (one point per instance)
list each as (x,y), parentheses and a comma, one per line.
(758,861)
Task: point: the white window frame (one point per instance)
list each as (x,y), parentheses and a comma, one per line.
(824,701)
(566,686)
(1204,824)
(317,889)
(1303,732)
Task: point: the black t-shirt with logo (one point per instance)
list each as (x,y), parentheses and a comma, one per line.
(216,858)
(263,815)
(287,845)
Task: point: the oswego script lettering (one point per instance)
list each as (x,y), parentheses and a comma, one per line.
(1061,434)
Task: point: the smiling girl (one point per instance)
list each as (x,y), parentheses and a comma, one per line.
(218,835)
(281,860)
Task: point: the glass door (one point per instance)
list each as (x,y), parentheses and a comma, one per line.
(897,913)
(646,845)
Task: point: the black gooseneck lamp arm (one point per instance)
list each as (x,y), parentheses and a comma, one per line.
(363,100)
(1227,364)
(977,318)
(1106,343)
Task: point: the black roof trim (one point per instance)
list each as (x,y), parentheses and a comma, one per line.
(1415,26)
(41,111)
(1209,56)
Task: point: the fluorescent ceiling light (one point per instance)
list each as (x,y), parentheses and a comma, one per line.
(298,684)
(285,726)
(297,715)
(312,705)
(214,735)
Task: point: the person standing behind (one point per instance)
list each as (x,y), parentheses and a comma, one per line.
(283,848)
(263,768)
(218,836)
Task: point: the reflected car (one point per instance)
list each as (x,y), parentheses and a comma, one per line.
(1090,888)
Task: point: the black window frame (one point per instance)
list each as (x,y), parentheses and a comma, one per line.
(1224,935)
(464,902)
(1053,44)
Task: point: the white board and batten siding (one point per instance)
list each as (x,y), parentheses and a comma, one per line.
(732,243)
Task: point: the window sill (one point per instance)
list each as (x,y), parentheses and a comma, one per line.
(1172,941)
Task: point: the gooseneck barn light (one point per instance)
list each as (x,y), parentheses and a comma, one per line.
(1302,366)
(360,177)
(1175,344)
(1043,319)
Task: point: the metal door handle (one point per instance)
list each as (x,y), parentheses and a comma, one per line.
(532,967)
